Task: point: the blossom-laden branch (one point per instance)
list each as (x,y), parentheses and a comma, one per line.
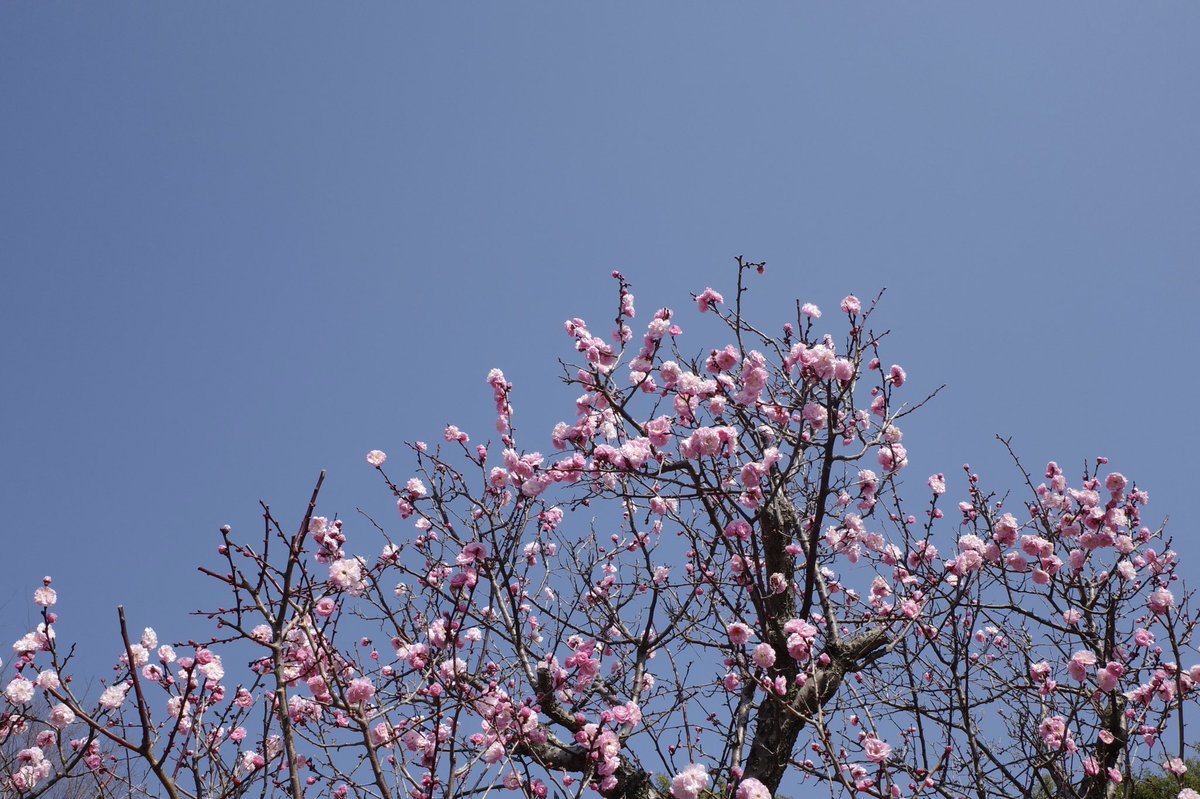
(712,588)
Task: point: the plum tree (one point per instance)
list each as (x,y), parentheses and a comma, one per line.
(713,588)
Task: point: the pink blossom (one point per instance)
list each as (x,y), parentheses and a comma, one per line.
(764,656)
(114,696)
(1110,676)
(473,552)
(1005,530)
(910,609)
(707,299)
(876,751)
(149,638)
(751,788)
(816,414)
(813,312)
(1160,601)
(61,716)
(19,691)
(689,783)
(851,305)
(361,689)
(347,575)
(1080,663)
(898,376)
(1016,563)
(376,458)
(628,715)
(45,596)
(1053,730)
(738,633)
(739,529)
(893,457)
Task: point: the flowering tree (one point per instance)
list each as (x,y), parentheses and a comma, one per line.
(713,589)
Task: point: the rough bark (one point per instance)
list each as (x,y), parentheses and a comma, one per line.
(780,720)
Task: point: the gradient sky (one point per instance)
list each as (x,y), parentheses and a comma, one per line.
(244,242)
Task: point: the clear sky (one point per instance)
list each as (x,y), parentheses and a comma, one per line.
(243,242)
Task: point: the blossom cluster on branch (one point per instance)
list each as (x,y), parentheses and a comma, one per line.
(712,588)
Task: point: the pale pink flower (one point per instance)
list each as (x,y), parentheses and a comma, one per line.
(937,484)
(739,633)
(114,696)
(751,788)
(61,716)
(1053,730)
(877,751)
(1005,530)
(688,783)
(45,596)
(813,312)
(1080,663)
(1160,601)
(764,656)
(360,690)
(816,414)
(19,691)
(1109,677)
(851,305)
(149,638)
(452,433)
(376,458)
(707,299)
(893,457)
(347,575)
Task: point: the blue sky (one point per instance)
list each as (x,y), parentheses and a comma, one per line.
(245,242)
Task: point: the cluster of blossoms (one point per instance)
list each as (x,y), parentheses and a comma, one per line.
(713,568)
